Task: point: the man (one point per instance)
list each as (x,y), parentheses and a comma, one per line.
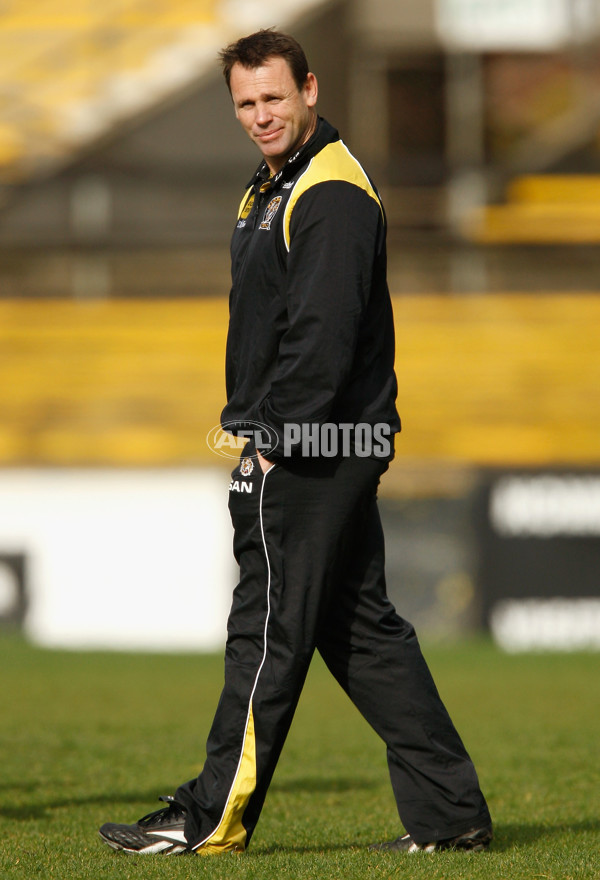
(310,375)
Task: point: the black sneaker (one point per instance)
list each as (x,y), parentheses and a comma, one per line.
(158,832)
(476,840)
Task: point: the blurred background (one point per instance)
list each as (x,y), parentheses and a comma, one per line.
(121,169)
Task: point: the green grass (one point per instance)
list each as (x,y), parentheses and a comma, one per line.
(88,738)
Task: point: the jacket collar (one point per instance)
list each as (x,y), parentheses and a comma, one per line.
(324,134)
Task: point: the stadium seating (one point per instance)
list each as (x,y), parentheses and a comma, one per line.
(541,209)
(70,69)
(503,380)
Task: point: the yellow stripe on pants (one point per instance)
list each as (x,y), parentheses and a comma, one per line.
(230,834)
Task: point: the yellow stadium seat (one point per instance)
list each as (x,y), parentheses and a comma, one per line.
(541,209)
(56,55)
(503,380)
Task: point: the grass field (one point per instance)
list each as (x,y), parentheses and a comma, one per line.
(88,738)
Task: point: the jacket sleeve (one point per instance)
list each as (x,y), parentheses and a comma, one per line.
(335,230)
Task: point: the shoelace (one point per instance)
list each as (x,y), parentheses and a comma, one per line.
(166,815)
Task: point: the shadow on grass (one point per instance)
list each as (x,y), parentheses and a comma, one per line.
(323,784)
(507,837)
(304,850)
(41,809)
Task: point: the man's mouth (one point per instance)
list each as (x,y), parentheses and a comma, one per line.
(266,136)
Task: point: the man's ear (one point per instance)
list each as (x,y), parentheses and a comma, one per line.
(310,90)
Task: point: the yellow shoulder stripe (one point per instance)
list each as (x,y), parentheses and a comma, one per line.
(334,162)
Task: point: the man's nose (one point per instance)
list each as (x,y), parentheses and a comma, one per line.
(263,113)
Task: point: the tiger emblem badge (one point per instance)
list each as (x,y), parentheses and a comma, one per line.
(246,467)
(270,212)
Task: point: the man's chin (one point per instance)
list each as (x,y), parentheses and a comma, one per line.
(270,150)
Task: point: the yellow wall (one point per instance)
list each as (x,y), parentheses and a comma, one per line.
(495,380)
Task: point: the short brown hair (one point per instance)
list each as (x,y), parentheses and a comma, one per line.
(254,50)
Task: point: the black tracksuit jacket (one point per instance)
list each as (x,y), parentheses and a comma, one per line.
(311,334)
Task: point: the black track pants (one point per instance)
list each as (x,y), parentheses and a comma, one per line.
(310,547)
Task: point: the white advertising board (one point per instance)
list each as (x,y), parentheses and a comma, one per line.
(137,559)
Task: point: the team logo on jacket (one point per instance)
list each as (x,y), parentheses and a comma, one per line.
(270,212)
(246,467)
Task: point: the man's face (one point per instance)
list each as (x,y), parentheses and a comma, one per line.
(274,114)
